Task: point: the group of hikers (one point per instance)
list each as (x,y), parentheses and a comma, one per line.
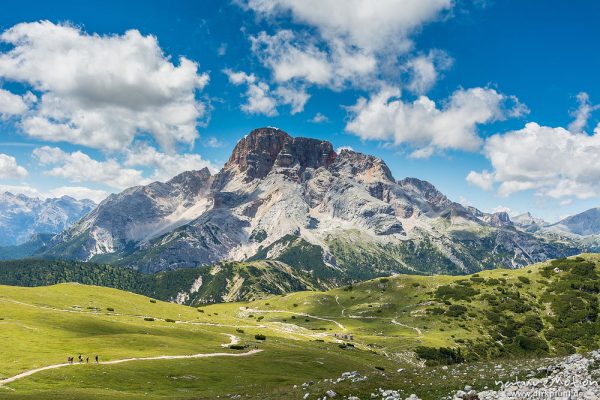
(70,360)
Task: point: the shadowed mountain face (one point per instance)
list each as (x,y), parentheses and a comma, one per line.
(338,216)
(22,217)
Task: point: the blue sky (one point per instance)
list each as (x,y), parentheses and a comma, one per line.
(491,101)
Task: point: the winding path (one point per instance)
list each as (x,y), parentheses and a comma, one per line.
(123,360)
(232,340)
(419,332)
(337,300)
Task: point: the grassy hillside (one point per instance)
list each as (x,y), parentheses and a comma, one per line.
(399,332)
(42,326)
(546,309)
(226,281)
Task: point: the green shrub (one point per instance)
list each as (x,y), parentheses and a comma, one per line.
(436,310)
(110,309)
(152,301)
(456,292)
(169,320)
(534,344)
(456,310)
(237,347)
(439,356)
(524,279)
(238,330)
(148,319)
(260,337)
(534,322)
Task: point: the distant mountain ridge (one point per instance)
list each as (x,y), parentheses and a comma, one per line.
(529,222)
(23,217)
(583,224)
(341,216)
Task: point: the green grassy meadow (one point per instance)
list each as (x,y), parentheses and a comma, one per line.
(398,332)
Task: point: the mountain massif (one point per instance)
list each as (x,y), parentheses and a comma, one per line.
(336,216)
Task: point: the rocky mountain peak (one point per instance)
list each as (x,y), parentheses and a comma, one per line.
(191,179)
(426,190)
(360,165)
(498,219)
(256,153)
(267,148)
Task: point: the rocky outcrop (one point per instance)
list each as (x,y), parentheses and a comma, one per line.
(575,377)
(497,219)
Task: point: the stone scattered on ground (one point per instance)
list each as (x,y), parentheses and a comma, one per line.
(575,377)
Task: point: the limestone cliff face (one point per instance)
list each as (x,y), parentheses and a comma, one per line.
(266,149)
(295,199)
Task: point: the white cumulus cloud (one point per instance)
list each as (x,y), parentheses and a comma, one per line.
(13,104)
(165,165)
(354,39)
(424,70)
(319,118)
(9,169)
(424,125)
(80,167)
(483,180)
(260,99)
(553,161)
(101,91)
(370,25)
(583,113)
(294,57)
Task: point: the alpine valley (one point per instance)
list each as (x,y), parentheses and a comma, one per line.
(316,263)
